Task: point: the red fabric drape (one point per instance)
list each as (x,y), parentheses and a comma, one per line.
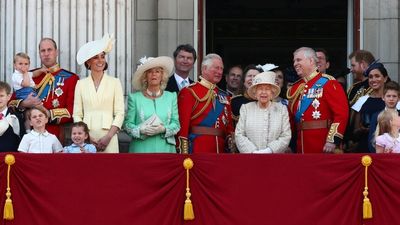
(122,189)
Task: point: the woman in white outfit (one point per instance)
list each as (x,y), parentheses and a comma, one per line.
(263,125)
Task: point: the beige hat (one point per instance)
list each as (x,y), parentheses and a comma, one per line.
(264,78)
(146,63)
(94,48)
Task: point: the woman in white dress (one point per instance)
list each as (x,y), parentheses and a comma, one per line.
(263,125)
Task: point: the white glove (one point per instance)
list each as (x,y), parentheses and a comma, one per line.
(263,151)
(154,129)
(143,128)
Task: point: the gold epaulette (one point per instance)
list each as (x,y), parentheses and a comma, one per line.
(328,76)
(14,103)
(58,114)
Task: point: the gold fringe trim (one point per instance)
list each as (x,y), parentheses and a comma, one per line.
(188,213)
(8,213)
(367,206)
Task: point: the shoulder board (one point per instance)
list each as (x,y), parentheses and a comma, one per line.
(300,79)
(222,92)
(236,96)
(65,73)
(328,76)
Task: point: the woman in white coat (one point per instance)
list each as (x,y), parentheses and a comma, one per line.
(263,125)
(99,100)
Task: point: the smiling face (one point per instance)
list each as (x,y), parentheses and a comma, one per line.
(154,76)
(264,94)
(78,135)
(323,65)
(376,80)
(97,63)
(304,66)
(234,77)
(184,62)
(213,72)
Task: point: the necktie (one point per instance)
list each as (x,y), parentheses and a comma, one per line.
(1,116)
(184,83)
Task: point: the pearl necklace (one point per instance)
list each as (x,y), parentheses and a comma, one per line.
(153,94)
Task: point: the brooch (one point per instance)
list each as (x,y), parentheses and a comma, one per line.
(58,92)
(55,103)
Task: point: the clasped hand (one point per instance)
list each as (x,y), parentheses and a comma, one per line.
(151,130)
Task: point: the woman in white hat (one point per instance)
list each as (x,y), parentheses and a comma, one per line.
(99,100)
(263,125)
(152,119)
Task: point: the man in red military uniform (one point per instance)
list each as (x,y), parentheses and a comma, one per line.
(55,88)
(204,112)
(318,106)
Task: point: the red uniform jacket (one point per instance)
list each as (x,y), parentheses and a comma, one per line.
(57,91)
(326,117)
(195,105)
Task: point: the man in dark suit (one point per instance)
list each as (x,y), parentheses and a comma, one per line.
(184,59)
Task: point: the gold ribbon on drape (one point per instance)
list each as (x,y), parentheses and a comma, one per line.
(8,213)
(367,206)
(188,213)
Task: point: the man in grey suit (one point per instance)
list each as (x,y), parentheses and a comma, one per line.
(184,59)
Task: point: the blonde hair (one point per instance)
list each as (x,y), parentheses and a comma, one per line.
(385,119)
(21,55)
(164,78)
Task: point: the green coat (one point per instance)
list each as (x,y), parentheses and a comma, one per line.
(140,109)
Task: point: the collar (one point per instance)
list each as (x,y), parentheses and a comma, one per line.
(207,83)
(179,79)
(77,146)
(4,111)
(54,68)
(311,76)
(35,133)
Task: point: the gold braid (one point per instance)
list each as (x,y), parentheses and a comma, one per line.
(209,97)
(295,96)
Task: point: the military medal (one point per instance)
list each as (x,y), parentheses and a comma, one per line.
(58,92)
(55,103)
(316,114)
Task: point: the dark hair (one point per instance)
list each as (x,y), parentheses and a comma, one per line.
(378,66)
(41,109)
(48,39)
(362,55)
(186,48)
(391,85)
(323,51)
(5,86)
(84,126)
(282,94)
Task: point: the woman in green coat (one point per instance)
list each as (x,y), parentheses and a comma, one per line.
(152,119)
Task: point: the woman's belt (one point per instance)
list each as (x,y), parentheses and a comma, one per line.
(315,124)
(201,130)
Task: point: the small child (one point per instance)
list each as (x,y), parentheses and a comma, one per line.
(22,81)
(80,134)
(21,78)
(39,140)
(10,123)
(388,140)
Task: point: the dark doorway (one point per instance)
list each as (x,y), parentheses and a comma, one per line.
(259,32)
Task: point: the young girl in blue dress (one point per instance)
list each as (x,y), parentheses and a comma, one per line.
(79,137)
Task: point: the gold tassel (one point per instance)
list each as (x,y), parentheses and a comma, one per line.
(8,213)
(367,206)
(188,213)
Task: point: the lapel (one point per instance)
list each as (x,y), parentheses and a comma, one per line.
(172,86)
(96,96)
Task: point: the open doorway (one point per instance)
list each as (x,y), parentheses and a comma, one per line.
(259,32)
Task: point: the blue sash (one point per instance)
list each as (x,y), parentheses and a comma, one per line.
(306,101)
(208,121)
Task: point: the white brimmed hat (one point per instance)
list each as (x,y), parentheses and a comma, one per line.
(146,63)
(94,48)
(264,78)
